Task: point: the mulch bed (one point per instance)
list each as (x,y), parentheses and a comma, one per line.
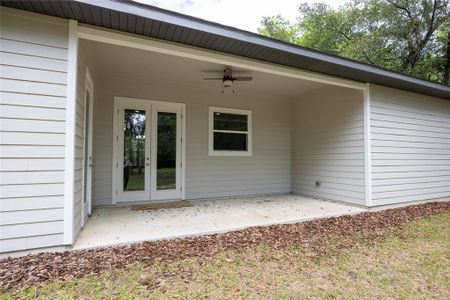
(43,267)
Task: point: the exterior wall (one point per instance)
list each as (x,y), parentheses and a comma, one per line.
(267,171)
(79,143)
(32,132)
(410,143)
(328,145)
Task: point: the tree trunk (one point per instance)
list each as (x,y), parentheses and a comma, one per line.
(447,63)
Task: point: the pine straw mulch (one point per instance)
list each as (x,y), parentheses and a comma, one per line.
(43,267)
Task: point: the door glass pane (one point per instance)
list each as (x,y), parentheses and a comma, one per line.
(167,151)
(134,150)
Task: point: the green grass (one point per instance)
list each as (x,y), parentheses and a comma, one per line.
(136,182)
(165,180)
(408,263)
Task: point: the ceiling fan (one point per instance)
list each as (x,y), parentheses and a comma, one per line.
(228,78)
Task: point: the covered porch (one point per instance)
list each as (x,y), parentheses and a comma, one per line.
(299,134)
(121,225)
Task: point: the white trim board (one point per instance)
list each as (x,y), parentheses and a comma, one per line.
(88,121)
(69,164)
(139,42)
(183,152)
(367,147)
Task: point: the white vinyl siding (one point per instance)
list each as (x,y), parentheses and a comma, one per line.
(410,138)
(79,143)
(266,171)
(328,145)
(33,75)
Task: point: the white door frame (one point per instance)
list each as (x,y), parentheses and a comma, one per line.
(152,106)
(88,121)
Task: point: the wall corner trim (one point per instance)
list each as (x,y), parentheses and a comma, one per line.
(69,172)
(367,147)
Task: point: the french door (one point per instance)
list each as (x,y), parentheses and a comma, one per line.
(147,146)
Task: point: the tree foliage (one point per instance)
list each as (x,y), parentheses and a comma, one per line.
(409,36)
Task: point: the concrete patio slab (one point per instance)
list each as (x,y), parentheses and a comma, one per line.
(121,225)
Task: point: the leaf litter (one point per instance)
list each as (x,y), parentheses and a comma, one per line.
(309,236)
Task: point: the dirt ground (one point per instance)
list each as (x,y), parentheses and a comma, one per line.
(309,237)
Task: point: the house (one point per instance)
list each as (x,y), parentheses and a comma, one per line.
(104,103)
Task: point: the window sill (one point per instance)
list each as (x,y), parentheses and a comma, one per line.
(230,153)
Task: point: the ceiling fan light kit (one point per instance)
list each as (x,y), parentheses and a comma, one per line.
(227,83)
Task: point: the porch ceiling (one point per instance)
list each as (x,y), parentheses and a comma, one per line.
(140,65)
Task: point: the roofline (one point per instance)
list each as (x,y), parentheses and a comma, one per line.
(235,33)
(338,66)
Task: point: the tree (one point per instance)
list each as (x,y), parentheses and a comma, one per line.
(409,36)
(279,28)
(447,55)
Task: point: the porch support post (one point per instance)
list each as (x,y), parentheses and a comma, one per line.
(367,147)
(70,132)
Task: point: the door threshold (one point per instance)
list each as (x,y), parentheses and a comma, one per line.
(131,203)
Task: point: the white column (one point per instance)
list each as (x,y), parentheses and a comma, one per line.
(367,146)
(70,132)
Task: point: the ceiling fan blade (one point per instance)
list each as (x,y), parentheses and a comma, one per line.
(243,78)
(209,78)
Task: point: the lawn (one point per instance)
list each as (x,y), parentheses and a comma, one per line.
(136,182)
(406,262)
(165,180)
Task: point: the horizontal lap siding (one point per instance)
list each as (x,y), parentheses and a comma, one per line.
(266,171)
(328,145)
(410,138)
(33,75)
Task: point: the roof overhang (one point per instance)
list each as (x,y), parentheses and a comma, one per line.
(150,21)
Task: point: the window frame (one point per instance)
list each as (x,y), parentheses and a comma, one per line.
(211,130)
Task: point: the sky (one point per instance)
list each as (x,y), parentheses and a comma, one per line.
(242,14)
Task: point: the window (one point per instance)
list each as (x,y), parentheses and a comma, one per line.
(230,132)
